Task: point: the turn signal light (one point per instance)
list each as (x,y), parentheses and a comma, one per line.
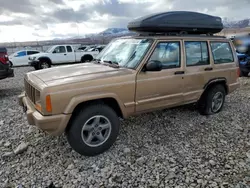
(48,104)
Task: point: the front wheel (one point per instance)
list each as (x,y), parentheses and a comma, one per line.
(93,130)
(212,101)
(44,65)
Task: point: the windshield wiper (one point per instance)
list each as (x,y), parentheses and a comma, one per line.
(112,63)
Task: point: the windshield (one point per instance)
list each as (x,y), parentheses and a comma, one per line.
(125,52)
(49,50)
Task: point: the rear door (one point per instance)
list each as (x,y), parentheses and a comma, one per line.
(20,58)
(198,68)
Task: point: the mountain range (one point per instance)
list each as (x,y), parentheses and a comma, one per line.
(236,23)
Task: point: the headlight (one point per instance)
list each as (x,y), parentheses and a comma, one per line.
(32,58)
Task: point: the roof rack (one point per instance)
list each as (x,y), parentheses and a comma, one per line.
(183,34)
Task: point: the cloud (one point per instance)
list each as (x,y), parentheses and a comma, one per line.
(45,16)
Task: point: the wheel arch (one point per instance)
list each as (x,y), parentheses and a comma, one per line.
(215,81)
(45,58)
(87,56)
(111,100)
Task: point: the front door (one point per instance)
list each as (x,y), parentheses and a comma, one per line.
(161,89)
(59,54)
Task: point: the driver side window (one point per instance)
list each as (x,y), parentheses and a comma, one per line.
(168,53)
(60,49)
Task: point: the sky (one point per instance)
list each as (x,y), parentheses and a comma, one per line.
(31,20)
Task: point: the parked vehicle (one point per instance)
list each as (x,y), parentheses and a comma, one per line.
(21,58)
(5,70)
(242,45)
(61,54)
(133,75)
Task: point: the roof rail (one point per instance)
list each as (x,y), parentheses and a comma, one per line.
(183,34)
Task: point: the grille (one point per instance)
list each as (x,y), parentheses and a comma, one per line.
(31,92)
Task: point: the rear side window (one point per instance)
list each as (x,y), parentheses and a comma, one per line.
(196,53)
(222,52)
(32,52)
(69,49)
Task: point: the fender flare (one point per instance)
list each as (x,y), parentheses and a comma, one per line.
(216,80)
(45,57)
(91,97)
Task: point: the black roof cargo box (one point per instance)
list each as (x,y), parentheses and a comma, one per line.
(177,22)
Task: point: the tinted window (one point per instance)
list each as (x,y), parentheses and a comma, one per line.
(168,53)
(69,49)
(20,54)
(32,52)
(60,49)
(222,52)
(196,53)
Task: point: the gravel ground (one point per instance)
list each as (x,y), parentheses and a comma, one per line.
(170,148)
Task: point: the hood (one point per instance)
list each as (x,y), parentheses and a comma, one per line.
(39,54)
(78,73)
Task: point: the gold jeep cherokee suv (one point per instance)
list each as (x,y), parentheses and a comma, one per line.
(132,75)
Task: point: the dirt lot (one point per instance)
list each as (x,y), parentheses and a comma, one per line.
(170,148)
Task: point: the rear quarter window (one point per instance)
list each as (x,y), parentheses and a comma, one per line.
(222,52)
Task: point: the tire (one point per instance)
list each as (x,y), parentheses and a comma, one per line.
(11,64)
(86,58)
(77,129)
(243,74)
(44,64)
(36,67)
(206,105)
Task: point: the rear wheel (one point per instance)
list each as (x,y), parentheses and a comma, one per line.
(93,130)
(212,101)
(86,58)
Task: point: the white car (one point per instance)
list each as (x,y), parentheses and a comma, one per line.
(20,58)
(62,54)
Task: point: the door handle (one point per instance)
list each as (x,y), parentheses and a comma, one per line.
(179,72)
(65,54)
(208,69)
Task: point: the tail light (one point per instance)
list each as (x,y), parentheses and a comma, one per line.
(6,57)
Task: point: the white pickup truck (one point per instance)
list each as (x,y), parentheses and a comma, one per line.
(62,54)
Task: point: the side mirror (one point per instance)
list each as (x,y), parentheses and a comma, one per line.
(153,65)
(54,52)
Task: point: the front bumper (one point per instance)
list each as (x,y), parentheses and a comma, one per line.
(54,125)
(33,63)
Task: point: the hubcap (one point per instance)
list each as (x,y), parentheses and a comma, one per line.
(44,65)
(96,131)
(217,101)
